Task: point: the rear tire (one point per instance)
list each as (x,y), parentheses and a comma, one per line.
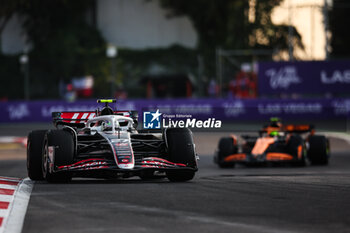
(318,152)
(64,149)
(34,154)
(181,150)
(225,148)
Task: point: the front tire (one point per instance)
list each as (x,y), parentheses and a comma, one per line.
(181,149)
(62,144)
(226,147)
(180,176)
(34,154)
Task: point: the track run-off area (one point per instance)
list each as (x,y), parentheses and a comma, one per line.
(242,199)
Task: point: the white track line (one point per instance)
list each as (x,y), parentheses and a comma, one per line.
(343,136)
(19,140)
(10,179)
(7,186)
(3,213)
(18,208)
(6,198)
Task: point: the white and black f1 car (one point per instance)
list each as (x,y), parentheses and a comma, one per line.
(106,144)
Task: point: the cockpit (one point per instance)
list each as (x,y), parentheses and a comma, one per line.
(110,123)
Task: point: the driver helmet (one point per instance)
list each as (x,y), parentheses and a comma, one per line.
(106,111)
(106,126)
(275,122)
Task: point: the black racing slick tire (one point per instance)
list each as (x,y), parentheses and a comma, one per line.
(226,147)
(294,144)
(62,142)
(181,149)
(318,152)
(35,143)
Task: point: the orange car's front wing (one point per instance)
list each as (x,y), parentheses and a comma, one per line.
(265,157)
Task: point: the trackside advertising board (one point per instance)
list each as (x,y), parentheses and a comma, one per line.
(200,109)
(313,77)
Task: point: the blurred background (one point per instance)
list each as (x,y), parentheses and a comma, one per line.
(245,57)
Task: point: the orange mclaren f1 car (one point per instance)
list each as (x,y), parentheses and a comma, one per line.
(276,143)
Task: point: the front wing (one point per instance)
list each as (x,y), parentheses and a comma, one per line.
(105,164)
(261,158)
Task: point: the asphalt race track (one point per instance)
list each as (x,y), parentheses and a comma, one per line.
(260,199)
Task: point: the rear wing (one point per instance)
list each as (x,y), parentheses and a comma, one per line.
(288,128)
(298,128)
(78,119)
